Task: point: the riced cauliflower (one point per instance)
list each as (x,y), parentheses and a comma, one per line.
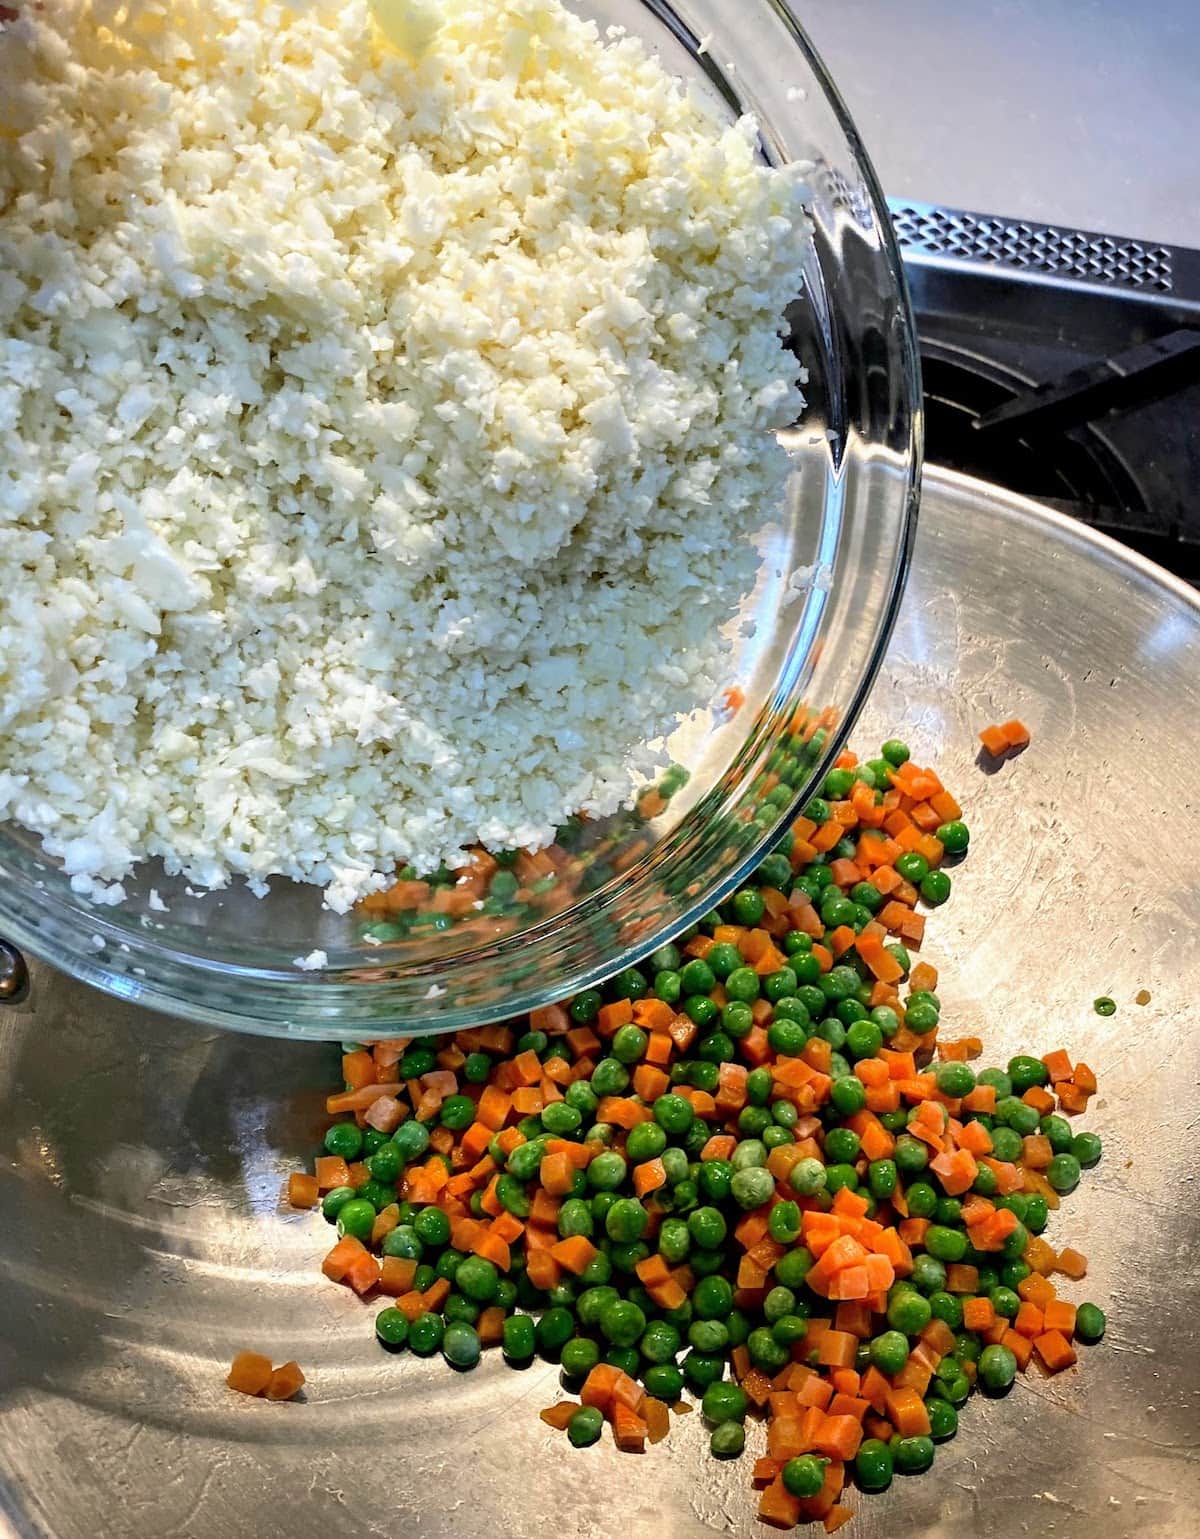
(383,440)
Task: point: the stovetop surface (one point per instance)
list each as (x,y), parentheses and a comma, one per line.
(1063,365)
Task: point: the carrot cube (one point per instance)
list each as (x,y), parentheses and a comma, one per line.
(249,1373)
(286,1382)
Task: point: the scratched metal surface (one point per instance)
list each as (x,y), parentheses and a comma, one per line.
(141,1240)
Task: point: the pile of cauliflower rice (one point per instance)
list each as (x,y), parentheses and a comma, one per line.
(382,440)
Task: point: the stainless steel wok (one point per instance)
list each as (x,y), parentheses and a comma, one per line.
(142,1239)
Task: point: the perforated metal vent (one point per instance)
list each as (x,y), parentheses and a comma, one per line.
(1072,255)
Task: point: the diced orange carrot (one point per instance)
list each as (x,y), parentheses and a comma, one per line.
(339,1260)
(1036,1290)
(559,1416)
(331,1170)
(286,1382)
(542,1269)
(839,1437)
(1072,1263)
(1055,1351)
(778,1506)
(556,1174)
(629,1430)
(1060,1316)
(574,1253)
(649,1176)
(994,740)
(613,1016)
(363,1273)
(396,1275)
(249,1373)
(978,1314)
(303,1191)
(906,1411)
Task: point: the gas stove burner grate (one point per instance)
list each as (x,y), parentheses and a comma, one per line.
(925,229)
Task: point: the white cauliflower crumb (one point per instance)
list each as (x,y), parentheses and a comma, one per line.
(383,441)
(313,962)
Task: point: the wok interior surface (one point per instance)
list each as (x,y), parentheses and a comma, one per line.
(141,1162)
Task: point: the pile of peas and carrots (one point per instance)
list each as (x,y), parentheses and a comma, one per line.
(747,1170)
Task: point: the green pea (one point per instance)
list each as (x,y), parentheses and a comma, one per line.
(624,1358)
(864,1039)
(344,1139)
(1087,1149)
(628,984)
(1063,1173)
(592,1303)
(793,1267)
(391,1327)
(585,1426)
(922,1200)
(841,1145)
(752,1186)
(747,907)
(912,1455)
(759,1087)
(910,1154)
(629,1044)
(432,1226)
(1090,1323)
(873,1465)
(742,985)
(997,1368)
(955,1079)
(783,1223)
(478,1279)
(702,1369)
(607,1171)
(610,1077)
(765,1352)
(556,1327)
(582,1097)
(912,867)
(579,1356)
(425,1334)
(724,1401)
(668,985)
(673,1114)
(947,1308)
(460,1344)
(334,1201)
(909,1312)
(626,1221)
(707,1227)
(1026,1072)
(708,1335)
(943,1418)
(889,1351)
(575,1218)
(805,1476)
(807,1177)
(356,1218)
(728,1439)
(882,1177)
(712,1298)
(622,1323)
(664,1381)
(935,888)
(561,1119)
(928,1274)
(949,1245)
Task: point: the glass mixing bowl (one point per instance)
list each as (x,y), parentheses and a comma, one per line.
(833,568)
